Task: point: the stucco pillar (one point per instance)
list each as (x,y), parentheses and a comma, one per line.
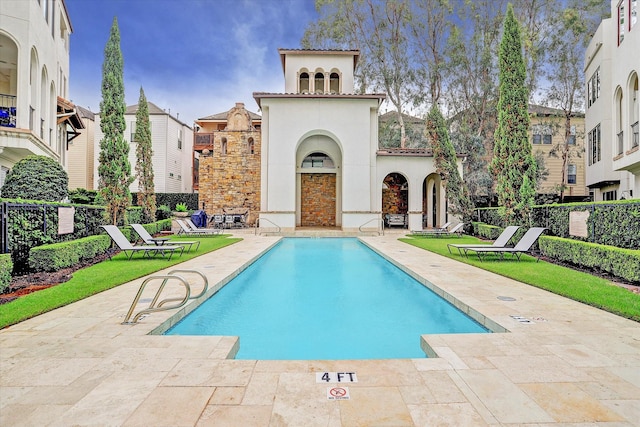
(415,204)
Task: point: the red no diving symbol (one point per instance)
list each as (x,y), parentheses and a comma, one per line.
(337,392)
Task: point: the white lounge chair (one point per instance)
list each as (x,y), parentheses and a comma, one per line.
(438,232)
(147,250)
(186,229)
(501,242)
(523,246)
(149,239)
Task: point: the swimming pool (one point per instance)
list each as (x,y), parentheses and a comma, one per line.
(329,299)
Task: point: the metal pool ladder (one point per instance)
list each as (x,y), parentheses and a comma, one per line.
(156,306)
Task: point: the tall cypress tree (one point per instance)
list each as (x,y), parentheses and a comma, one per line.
(513,164)
(447,166)
(144,164)
(114,170)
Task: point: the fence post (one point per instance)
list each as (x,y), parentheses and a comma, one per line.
(4,229)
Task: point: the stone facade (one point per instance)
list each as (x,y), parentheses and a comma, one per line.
(229,172)
(318,204)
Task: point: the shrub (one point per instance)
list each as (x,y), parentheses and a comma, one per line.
(486,231)
(622,263)
(6,265)
(82,196)
(37,178)
(163,212)
(56,256)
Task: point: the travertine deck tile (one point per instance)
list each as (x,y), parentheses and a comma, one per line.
(574,365)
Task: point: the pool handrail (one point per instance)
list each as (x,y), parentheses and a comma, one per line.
(255,228)
(380,230)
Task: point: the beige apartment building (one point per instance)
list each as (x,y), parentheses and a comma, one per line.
(35,115)
(81,153)
(563,156)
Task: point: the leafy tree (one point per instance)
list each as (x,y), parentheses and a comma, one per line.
(447,165)
(513,165)
(144,161)
(114,170)
(379,30)
(36,178)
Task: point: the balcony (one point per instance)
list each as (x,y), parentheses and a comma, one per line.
(202,141)
(8,111)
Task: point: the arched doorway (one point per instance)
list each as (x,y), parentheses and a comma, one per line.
(318,182)
(433,203)
(395,197)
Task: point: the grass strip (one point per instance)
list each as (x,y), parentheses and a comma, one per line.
(579,286)
(100,277)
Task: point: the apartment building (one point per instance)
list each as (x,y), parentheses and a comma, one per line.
(35,115)
(172,142)
(612,65)
(563,155)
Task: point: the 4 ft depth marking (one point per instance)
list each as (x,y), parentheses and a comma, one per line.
(336,377)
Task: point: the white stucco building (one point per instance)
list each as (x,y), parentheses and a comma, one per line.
(612,65)
(321,164)
(35,116)
(172,142)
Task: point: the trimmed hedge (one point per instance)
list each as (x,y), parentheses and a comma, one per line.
(6,266)
(623,263)
(486,231)
(57,256)
(614,223)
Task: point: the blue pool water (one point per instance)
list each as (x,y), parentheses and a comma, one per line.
(330,299)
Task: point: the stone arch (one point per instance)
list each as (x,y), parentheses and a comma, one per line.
(318,181)
(335,82)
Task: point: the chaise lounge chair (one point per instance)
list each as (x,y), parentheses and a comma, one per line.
(501,242)
(149,239)
(438,232)
(523,246)
(186,229)
(147,251)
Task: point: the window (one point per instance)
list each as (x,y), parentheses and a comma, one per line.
(621,17)
(304,82)
(319,83)
(572,136)
(572,171)
(610,195)
(541,134)
(593,88)
(595,153)
(334,83)
(317,160)
(633,13)
(179,139)
(133,131)
(250,146)
(223,146)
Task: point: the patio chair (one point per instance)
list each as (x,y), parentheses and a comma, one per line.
(147,250)
(438,232)
(149,239)
(501,242)
(523,246)
(186,229)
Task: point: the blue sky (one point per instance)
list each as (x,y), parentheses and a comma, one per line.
(194,57)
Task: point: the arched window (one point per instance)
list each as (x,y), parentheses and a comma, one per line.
(334,83)
(304,82)
(319,83)
(317,160)
(250,146)
(634,112)
(223,146)
(619,122)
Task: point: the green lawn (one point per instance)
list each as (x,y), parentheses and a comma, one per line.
(100,277)
(567,282)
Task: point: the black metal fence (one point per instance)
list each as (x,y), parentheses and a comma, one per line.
(26,225)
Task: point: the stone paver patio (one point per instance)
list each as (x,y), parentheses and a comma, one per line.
(572,365)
